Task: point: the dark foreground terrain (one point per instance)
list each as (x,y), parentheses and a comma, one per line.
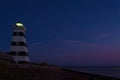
(35,72)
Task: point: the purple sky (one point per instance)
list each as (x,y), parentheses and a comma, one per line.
(65,32)
(76,52)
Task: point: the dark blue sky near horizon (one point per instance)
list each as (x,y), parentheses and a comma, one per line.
(65,32)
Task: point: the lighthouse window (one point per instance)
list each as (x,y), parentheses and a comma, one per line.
(21,34)
(13,53)
(18,34)
(22,54)
(13,43)
(22,44)
(14,33)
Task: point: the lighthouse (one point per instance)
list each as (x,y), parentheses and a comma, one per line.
(18,48)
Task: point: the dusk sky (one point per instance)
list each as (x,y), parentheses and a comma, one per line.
(65,32)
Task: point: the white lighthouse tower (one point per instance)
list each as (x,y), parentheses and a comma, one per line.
(18,47)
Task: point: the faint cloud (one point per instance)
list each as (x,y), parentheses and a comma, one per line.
(60,43)
(37,43)
(79,43)
(103,36)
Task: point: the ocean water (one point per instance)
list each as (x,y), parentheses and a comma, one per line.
(113,71)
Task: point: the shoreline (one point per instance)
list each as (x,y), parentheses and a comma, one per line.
(91,75)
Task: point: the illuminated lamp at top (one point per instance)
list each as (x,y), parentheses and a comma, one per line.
(19,24)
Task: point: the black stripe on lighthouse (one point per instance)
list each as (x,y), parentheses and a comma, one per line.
(18,44)
(13,53)
(18,34)
(20,53)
